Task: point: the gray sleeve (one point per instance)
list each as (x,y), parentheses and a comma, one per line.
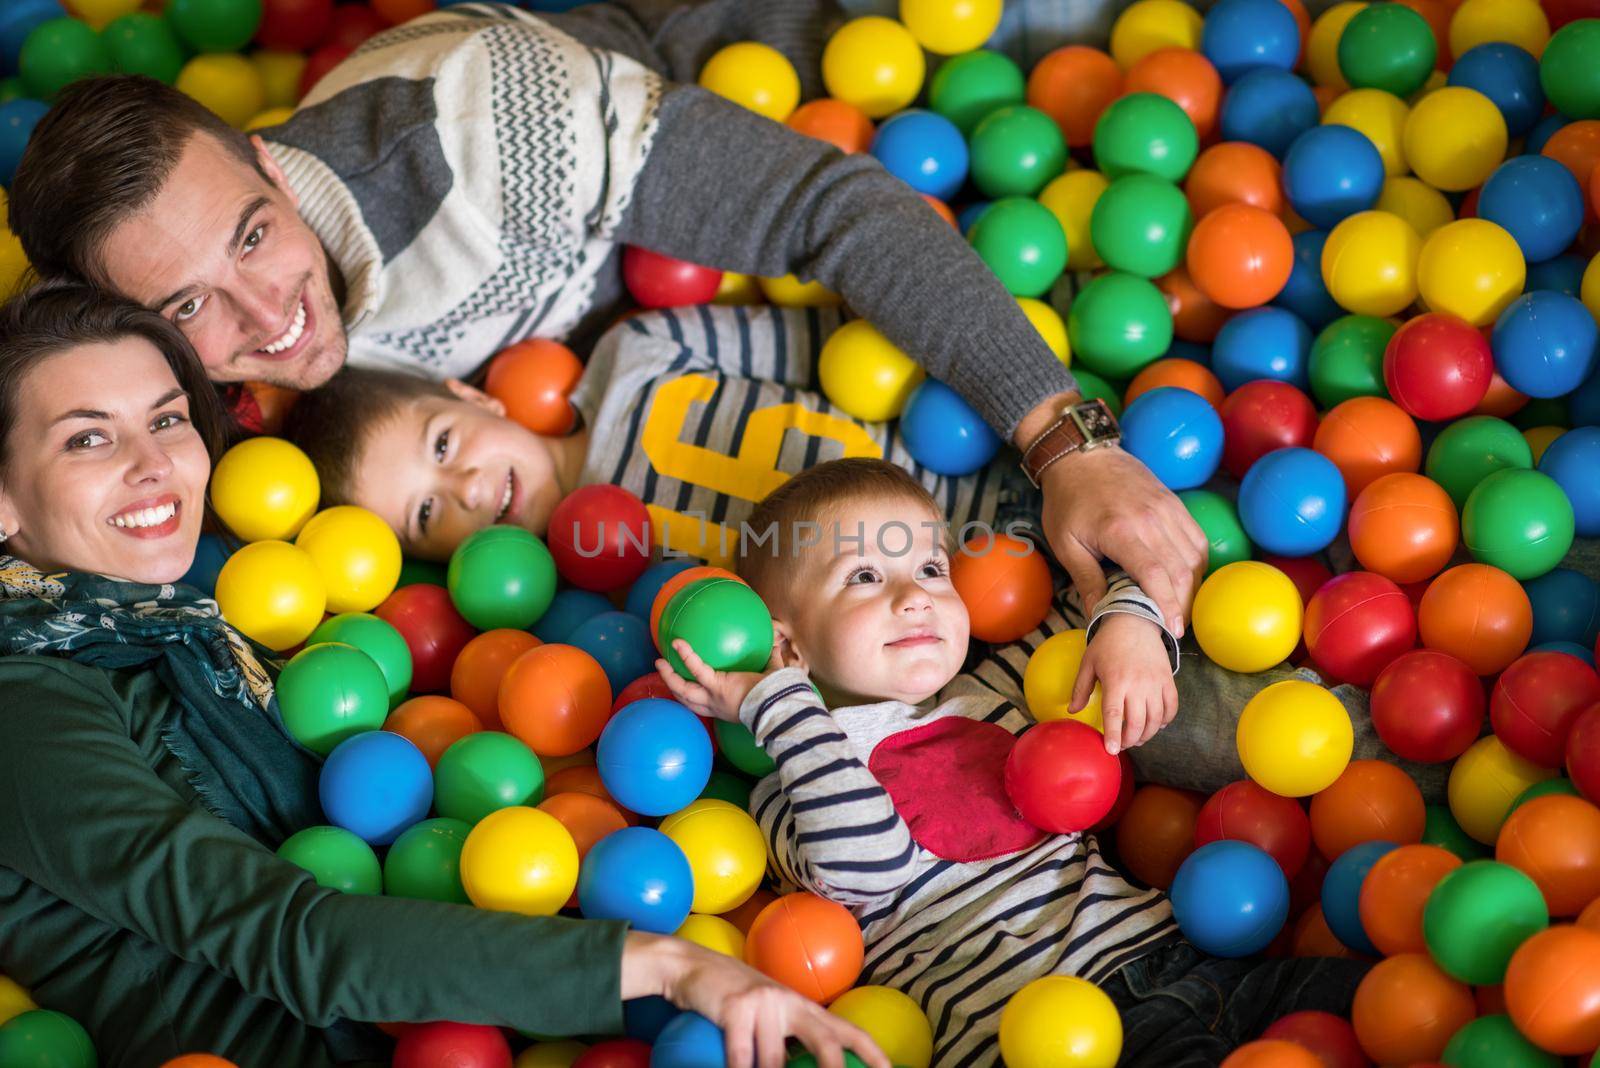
(727,188)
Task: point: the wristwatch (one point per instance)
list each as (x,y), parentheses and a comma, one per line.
(1086,425)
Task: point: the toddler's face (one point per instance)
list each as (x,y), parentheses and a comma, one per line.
(879,619)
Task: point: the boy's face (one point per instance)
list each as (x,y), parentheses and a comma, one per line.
(442,468)
(879,620)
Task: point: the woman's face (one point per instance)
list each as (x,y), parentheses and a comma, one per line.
(104,471)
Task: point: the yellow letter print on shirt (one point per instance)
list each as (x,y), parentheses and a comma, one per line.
(750,475)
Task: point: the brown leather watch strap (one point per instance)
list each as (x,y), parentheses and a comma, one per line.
(1083,425)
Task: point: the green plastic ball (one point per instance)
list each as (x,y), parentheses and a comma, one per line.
(142,43)
(484,772)
(11,89)
(1569,70)
(329,692)
(1470,450)
(738,747)
(809,1060)
(1093,387)
(1442,830)
(1388,47)
(421,573)
(725,623)
(1542,411)
(1476,918)
(1118,324)
(1559,785)
(968,87)
(1219,519)
(1347,359)
(1141,225)
(1519,521)
(726,786)
(335,858)
(1495,1042)
(1145,133)
(41,1038)
(378,640)
(215,25)
(501,577)
(424,863)
(1016,151)
(58,53)
(1023,244)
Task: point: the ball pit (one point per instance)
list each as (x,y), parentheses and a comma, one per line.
(433,630)
(1469,450)
(520,860)
(1366,439)
(1145,133)
(1330,173)
(1357,624)
(1240,255)
(1535,701)
(1388,47)
(330,692)
(1552,987)
(1403,526)
(483,772)
(1519,521)
(1437,366)
(375,785)
(1259,343)
(1370,801)
(1555,840)
(555,699)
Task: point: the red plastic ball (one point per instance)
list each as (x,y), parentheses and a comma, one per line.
(658,281)
(353,24)
(434,632)
(533,379)
(452,1045)
(1437,366)
(600,537)
(1535,701)
(1428,706)
(320,63)
(640,688)
(1061,778)
(1261,416)
(1356,624)
(1245,812)
(1330,1037)
(294,25)
(615,1053)
(1306,572)
(1583,753)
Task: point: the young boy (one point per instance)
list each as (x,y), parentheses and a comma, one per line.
(888,795)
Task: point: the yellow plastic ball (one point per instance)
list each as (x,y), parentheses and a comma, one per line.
(1539,439)
(1380,116)
(895,1022)
(1519,22)
(1589,288)
(736,288)
(280,76)
(726,851)
(1247,616)
(1471,268)
(1294,738)
(1051,673)
(948,27)
(1150,25)
(98,13)
(787,291)
(269,117)
(1369,263)
(1484,782)
(1071,198)
(1047,321)
(228,84)
(864,374)
(1060,1022)
(13,262)
(1417,202)
(559,1054)
(519,859)
(1322,46)
(1454,138)
(265,488)
(270,592)
(756,76)
(875,64)
(357,555)
(714,933)
(14,1000)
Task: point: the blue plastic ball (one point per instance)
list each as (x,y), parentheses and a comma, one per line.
(1541,132)
(1573,460)
(19,18)
(620,641)
(1291,502)
(1176,434)
(1559,274)
(943,433)
(1566,607)
(654,756)
(1241,35)
(1537,201)
(1332,172)
(209,556)
(1267,342)
(925,150)
(645,1018)
(375,785)
(17,120)
(1545,343)
(1582,652)
(569,610)
(689,1041)
(642,594)
(1583,405)
(639,875)
(1270,108)
(1508,76)
(1341,894)
(1305,293)
(1230,898)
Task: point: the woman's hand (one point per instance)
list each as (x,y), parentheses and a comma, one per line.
(712,693)
(757,1015)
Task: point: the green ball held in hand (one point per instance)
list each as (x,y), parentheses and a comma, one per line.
(1476,918)
(1119,323)
(483,773)
(725,623)
(46,1039)
(739,748)
(1519,521)
(968,87)
(1145,133)
(215,25)
(1470,450)
(330,692)
(1023,244)
(424,863)
(1569,70)
(58,53)
(1495,1042)
(1219,519)
(1388,47)
(335,858)
(1347,359)
(1016,151)
(378,640)
(501,577)
(142,43)
(1141,225)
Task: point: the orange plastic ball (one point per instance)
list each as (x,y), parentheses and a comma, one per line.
(1406,1010)
(1176,371)
(1073,85)
(1437,15)
(556,699)
(1302,18)
(1501,401)
(807,943)
(587,818)
(1478,614)
(842,125)
(1395,892)
(1590,916)
(1367,438)
(1555,841)
(1157,833)
(1195,316)
(1184,77)
(433,724)
(1272,1053)
(1005,583)
(532,379)
(1404,527)
(479,668)
(198,1060)
(582,779)
(1314,938)
(1234,172)
(942,208)
(1369,801)
(1576,146)
(1240,255)
(1553,989)
(670,589)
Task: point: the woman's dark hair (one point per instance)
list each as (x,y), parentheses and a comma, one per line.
(42,322)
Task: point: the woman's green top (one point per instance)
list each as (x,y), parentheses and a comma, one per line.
(165,930)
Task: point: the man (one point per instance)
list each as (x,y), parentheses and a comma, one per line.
(467,180)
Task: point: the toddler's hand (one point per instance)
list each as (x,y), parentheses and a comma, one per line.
(1128,657)
(712,693)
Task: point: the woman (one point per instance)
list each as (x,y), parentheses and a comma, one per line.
(148,776)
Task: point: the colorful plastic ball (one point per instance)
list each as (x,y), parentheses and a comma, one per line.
(433,630)
(1535,702)
(46,1039)
(1537,201)
(658,281)
(670,589)
(1243,811)
(726,852)
(1322,45)
(1157,832)
(639,875)
(1118,323)
(1422,206)
(1519,521)
(1332,172)
(1567,70)
(1444,832)
(59,52)
(866,375)
(1427,706)
(808,943)
(1584,402)
(1240,256)
(1395,892)
(1369,263)
(375,785)
(1491,1041)
(943,433)
(1368,438)
(950,27)
(1004,582)
(620,642)
(532,379)
(476,675)
(1180,373)
(724,622)
(520,860)
(1437,366)
(1469,450)
(1241,35)
(502,576)
(1341,893)
(1328,1037)
(1454,138)
(1230,898)
(330,692)
(294,25)
(1555,840)
(1175,433)
(1305,293)
(424,863)
(587,817)
(229,85)
(484,772)
(1357,624)
(335,858)
(1570,461)
(1247,616)
(1071,199)
(1583,753)
(755,76)
(1566,607)
(356,554)
(654,757)
(1270,108)
(1406,1009)
(378,640)
(1016,150)
(215,25)
(1553,990)
(1477,613)
(1060,777)
(1378,116)
(271,592)
(1051,674)
(1219,522)
(18,20)
(1388,47)
(1292,502)
(1403,526)
(689,1040)
(1186,78)
(1073,85)
(967,87)
(923,149)
(1140,224)
(556,699)
(1145,133)
(1051,327)
(1260,416)
(875,64)
(1485,782)
(895,1022)
(1370,801)
(142,43)
(1545,343)
(840,124)
(1024,246)
(1520,22)
(1265,342)
(264,488)
(1478,915)
(1060,1020)
(1576,146)
(1234,172)
(1347,359)
(1294,738)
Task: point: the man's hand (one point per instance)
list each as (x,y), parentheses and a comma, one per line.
(1128,657)
(712,693)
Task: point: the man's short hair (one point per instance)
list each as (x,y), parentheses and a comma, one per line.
(100,154)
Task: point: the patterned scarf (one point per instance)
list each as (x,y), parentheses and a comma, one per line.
(224,727)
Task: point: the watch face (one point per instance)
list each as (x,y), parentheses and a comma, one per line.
(1097,420)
